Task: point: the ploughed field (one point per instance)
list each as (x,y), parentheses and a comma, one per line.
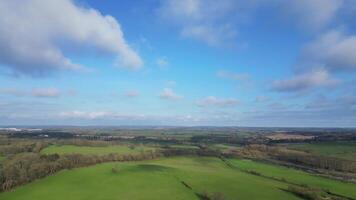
(175,178)
(120,149)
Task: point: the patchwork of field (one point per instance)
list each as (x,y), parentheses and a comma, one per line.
(283,136)
(121,149)
(296,177)
(346,150)
(226,148)
(172,178)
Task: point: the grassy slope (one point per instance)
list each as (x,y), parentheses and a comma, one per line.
(66,149)
(159,179)
(345,150)
(297,176)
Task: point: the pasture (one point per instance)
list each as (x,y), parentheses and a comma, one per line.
(296,176)
(170,178)
(151,179)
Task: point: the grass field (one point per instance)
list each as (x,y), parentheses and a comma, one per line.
(163,179)
(160,179)
(67,149)
(297,176)
(184,146)
(226,148)
(346,150)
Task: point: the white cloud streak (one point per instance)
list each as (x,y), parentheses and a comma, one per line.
(36,92)
(305,81)
(232,75)
(214,101)
(169,94)
(201,20)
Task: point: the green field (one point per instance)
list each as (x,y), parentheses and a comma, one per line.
(346,150)
(150,180)
(121,149)
(183,146)
(162,179)
(226,148)
(297,176)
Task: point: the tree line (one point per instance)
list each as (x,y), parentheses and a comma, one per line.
(25,163)
(298,157)
(25,167)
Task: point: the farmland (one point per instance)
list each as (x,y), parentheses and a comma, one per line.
(197,166)
(147,180)
(121,149)
(346,150)
(174,178)
(296,177)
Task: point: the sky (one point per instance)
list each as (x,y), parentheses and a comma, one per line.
(260,63)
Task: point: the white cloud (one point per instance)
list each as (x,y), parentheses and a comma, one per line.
(311,14)
(232,75)
(171,83)
(12,92)
(84,115)
(305,81)
(216,22)
(103,115)
(322,102)
(31,34)
(214,101)
(169,94)
(36,92)
(45,92)
(333,50)
(162,62)
(207,20)
(260,99)
(209,34)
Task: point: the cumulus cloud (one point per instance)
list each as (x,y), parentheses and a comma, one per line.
(333,50)
(330,53)
(305,81)
(214,101)
(232,75)
(168,93)
(32,33)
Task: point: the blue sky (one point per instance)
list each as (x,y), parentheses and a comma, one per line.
(178,62)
